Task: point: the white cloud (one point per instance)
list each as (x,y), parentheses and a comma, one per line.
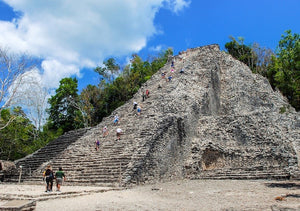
(54,71)
(72,34)
(156,48)
(181,4)
(177,5)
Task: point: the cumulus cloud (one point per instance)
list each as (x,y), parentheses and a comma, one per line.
(178,5)
(72,34)
(55,70)
(156,48)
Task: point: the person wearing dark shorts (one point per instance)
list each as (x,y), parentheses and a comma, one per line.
(49,178)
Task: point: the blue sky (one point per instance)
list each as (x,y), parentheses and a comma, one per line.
(207,22)
(72,37)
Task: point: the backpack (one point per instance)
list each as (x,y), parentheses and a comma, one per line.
(49,174)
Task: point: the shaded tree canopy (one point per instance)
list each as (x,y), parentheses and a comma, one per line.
(240,51)
(284,72)
(17,139)
(63,112)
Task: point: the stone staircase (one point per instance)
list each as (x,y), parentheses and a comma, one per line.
(32,162)
(112,165)
(179,122)
(257,172)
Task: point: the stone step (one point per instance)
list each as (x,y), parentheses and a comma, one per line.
(245,177)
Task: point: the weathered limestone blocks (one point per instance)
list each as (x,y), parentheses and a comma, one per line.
(231,121)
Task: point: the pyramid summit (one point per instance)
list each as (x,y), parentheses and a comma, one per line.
(212,119)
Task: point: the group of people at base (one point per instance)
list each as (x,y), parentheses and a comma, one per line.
(49,175)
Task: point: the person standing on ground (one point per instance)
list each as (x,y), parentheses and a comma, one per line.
(49,179)
(60,176)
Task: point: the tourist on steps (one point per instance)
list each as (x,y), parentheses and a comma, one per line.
(143,96)
(134,105)
(182,70)
(104,131)
(97,144)
(147,93)
(116,119)
(139,110)
(49,178)
(60,176)
(119,133)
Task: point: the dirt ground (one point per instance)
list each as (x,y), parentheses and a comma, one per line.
(180,195)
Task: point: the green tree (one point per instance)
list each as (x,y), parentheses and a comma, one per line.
(241,51)
(90,99)
(17,139)
(102,100)
(109,71)
(64,112)
(285,69)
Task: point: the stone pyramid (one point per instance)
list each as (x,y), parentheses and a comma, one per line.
(217,120)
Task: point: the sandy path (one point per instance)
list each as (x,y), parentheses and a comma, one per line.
(181,195)
(184,195)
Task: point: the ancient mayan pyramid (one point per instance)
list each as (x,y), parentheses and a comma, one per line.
(216,120)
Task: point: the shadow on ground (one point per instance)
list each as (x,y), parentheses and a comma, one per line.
(287,185)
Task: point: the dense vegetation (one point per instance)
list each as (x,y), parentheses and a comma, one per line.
(72,110)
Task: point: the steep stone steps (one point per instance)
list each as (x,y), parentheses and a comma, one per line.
(34,160)
(246,175)
(89,166)
(255,172)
